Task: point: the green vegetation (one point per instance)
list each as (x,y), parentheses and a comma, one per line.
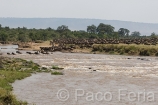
(124,49)
(39,35)
(7,77)
(57,68)
(12,69)
(56,73)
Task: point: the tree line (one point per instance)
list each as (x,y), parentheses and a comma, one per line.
(101,31)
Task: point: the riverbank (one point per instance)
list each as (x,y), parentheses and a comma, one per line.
(112,49)
(12,69)
(115,49)
(122,49)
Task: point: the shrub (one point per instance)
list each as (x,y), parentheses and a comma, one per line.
(57,68)
(132,52)
(111,52)
(121,53)
(6,98)
(126,49)
(144,53)
(35,68)
(156,54)
(152,51)
(56,73)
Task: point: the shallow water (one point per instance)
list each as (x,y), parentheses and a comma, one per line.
(90,73)
(8,48)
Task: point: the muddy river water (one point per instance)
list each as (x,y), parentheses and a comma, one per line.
(91,79)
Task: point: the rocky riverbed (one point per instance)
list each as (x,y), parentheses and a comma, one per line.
(91,79)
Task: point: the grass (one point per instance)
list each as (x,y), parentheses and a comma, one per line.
(124,49)
(56,73)
(57,68)
(11,69)
(7,77)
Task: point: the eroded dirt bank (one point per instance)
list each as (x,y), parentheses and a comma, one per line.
(90,73)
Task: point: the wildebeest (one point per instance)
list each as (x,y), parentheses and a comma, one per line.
(61,44)
(28,52)
(8,53)
(36,52)
(18,52)
(13,53)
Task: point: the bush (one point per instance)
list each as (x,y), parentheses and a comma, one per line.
(57,68)
(144,53)
(56,73)
(152,51)
(156,54)
(6,98)
(126,49)
(121,53)
(111,52)
(133,52)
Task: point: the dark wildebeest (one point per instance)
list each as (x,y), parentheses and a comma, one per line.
(13,53)
(18,52)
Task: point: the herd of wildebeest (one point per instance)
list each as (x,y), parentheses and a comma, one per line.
(62,44)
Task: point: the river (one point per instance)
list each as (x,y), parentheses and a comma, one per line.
(91,79)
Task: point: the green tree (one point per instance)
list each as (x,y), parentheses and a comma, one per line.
(62,28)
(127,32)
(3,37)
(135,34)
(44,36)
(105,29)
(6,28)
(23,38)
(49,28)
(153,35)
(32,36)
(24,28)
(115,35)
(123,32)
(91,29)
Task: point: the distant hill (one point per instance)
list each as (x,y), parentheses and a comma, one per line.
(77,24)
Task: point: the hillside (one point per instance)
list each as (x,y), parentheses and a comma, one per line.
(77,24)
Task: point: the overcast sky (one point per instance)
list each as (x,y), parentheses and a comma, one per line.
(127,10)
